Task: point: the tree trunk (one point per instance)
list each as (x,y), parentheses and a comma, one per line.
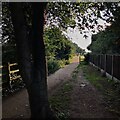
(38,92)
(21,36)
(33,71)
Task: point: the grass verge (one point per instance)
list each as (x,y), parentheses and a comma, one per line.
(60,101)
(109,88)
(75,72)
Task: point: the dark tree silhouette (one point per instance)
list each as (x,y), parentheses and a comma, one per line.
(32,63)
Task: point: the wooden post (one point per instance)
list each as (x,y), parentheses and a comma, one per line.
(10,86)
(97,62)
(105,64)
(104,74)
(100,61)
(112,67)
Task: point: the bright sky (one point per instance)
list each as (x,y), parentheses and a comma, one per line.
(76,37)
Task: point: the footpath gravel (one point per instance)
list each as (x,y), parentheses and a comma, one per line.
(87,102)
(17,105)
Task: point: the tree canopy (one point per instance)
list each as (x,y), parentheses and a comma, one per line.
(57,45)
(105,42)
(108,41)
(64,14)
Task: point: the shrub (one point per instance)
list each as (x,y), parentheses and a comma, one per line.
(67,62)
(53,65)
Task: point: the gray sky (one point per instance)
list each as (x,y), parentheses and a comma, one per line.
(75,36)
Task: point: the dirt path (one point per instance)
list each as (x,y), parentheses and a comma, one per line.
(87,102)
(62,75)
(17,106)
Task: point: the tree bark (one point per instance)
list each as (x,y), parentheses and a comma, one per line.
(33,71)
(39,104)
(23,49)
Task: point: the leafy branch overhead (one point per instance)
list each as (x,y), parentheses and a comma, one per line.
(82,15)
(66,14)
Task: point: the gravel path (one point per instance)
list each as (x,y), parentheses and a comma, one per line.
(87,102)
(17,106)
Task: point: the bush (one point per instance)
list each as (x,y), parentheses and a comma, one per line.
(53,65)
(67,62)
(62,63)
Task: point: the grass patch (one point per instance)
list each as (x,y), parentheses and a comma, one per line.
(60,101)
(75,72)
(109,88)
(93,76)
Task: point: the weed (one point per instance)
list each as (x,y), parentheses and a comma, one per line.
(109,88)
(75,72)
(61,100)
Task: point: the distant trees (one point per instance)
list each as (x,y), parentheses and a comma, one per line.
(77,48)
(57,45)
(59,49)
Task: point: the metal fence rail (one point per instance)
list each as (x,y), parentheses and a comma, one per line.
(109,63)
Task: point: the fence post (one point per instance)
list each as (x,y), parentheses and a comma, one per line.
(10,86)
(112,67)
(105,66)
(100,61)
(7,77)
